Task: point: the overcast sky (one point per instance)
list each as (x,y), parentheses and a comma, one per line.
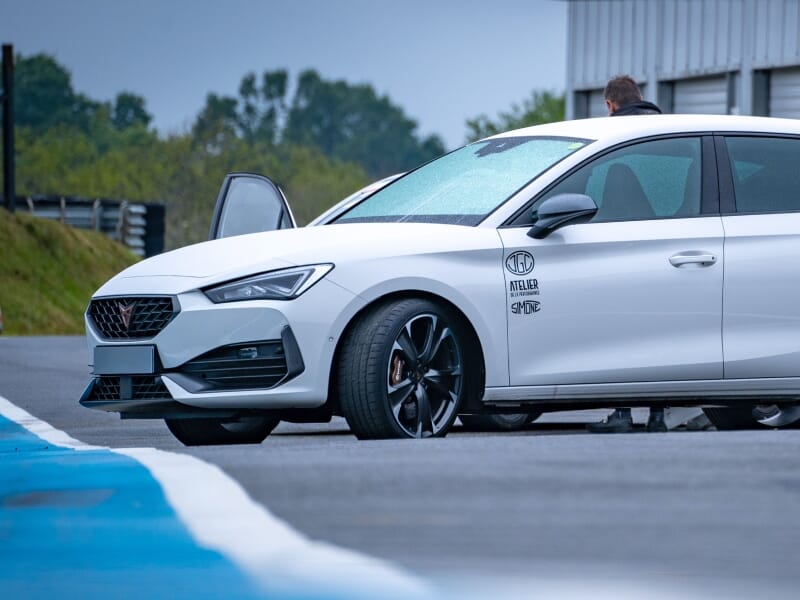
(442,61)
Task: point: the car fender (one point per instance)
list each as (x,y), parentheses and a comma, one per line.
(480,299)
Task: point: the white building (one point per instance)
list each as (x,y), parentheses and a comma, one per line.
(689,56)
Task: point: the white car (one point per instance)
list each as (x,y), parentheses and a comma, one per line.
(624,261)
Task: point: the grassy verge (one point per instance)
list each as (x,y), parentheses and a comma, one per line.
(48,272)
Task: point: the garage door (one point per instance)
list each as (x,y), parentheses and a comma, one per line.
(706,96)
(784,93)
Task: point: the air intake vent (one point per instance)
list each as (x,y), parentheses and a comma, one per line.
(258,365)
(111,389)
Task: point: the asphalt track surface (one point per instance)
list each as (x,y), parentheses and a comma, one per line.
(709,513)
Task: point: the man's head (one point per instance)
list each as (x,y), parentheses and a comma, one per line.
(621,90)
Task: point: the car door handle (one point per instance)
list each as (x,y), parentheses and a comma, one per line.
(701,259)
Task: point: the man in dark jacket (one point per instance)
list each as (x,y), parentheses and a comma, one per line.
(624,98)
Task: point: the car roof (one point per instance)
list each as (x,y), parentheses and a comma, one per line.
(614,129)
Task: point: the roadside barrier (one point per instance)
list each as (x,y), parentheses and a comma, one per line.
(140,226)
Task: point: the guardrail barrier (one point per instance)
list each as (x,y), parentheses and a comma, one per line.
(140,226)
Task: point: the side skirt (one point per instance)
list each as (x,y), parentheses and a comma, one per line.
(711,392)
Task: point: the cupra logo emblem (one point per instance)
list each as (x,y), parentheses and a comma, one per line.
(520,263)
(125,313)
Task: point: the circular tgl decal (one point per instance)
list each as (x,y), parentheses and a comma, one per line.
(520,263)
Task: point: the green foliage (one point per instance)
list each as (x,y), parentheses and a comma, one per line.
(352,123)
(217,125)
(263,108)
(541,107)
(44,98)
(345,122)
(49,271)
(135,164)
(106,163)
(316,182)
(129,111)
(311,181)
(329,140)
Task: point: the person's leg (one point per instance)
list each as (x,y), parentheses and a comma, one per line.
(619,421)
(655,423)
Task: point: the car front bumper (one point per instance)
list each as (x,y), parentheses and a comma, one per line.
(222,359)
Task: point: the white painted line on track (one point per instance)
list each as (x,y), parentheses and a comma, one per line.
(40,428)
(221,516)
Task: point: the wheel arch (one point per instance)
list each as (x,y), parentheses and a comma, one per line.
(473,340)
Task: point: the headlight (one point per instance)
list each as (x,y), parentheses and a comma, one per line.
(285,284)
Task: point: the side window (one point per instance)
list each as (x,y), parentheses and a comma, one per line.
(649,180)
(765,173)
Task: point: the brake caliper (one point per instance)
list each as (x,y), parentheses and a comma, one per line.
(398,366)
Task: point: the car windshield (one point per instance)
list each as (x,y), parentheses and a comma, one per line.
(463,187)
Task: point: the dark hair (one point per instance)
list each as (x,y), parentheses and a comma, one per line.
(621,90)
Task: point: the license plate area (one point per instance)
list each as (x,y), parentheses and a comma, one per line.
(124,360)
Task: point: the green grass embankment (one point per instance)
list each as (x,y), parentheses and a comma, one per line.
(48,272)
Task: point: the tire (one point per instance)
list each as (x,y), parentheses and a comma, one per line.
(404,370)
(732,418)
(207,432)
(498,422)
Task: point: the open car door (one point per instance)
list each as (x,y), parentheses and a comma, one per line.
(249,203)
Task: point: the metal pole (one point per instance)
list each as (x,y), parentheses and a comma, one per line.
(8,127)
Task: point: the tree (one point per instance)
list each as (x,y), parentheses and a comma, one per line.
(352,123)
(345,122)
(44,99)
(256,116)
(332,139)
(273,91)
(43,95)
(217,123)
(263,109)
(541,107)
(129,111)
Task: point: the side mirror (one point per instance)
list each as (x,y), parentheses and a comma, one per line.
(561,210)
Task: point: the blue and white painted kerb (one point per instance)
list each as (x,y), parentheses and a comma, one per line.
(80,521)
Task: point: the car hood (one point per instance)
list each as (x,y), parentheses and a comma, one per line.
(221,260)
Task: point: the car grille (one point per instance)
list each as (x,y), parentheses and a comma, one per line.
(142,388)
(240,366)
(148,316)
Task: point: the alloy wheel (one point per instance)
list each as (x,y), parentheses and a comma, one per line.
(424,375)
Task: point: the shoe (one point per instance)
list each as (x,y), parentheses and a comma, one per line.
(619,421)
(655,423)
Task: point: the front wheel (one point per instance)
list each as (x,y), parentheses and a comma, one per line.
(404,371)
(208,432)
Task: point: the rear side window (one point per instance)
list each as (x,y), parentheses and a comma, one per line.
(649,180)
(765,173)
